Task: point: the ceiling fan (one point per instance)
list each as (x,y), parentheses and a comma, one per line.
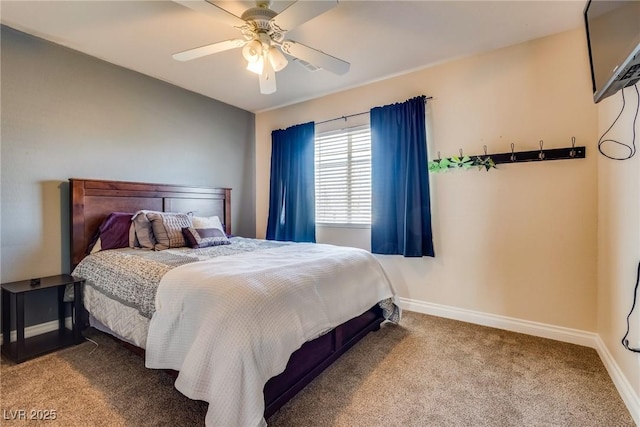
(263,40)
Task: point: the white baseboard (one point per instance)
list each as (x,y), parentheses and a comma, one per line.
(628,394)
(41,328)
(558,333)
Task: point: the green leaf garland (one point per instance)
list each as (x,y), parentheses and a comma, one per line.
(463,162)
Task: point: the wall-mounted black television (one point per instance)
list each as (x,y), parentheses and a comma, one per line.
(613,37)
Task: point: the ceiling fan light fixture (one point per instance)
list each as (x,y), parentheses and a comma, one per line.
(252,51)
(277,59)
(263,45)
(256,66)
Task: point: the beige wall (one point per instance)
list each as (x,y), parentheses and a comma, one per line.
(519,241)
(619,239)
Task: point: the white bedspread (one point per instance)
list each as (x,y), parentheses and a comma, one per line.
(230,323)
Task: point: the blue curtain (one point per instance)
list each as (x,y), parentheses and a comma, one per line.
(292,191)
(401,209)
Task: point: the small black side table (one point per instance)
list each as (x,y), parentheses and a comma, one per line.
(13,298)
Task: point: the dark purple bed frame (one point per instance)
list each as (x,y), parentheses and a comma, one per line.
(92,200)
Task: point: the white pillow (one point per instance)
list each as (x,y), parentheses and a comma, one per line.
(206,222)
(97,247)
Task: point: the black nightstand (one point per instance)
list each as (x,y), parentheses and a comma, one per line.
(13,299)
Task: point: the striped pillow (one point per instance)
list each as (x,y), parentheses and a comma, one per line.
(167,229)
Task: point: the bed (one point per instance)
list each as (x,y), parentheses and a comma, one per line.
(91,201)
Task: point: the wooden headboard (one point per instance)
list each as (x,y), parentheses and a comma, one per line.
(92,200)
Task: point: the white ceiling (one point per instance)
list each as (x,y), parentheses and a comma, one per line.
(379,38)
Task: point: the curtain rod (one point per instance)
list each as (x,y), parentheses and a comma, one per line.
(356,114)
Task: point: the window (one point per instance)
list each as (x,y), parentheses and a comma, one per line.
(343,176)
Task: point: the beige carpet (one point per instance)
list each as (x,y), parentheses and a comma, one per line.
(427,372)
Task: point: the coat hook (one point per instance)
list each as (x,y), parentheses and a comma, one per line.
(513,153)
(572,153)
(541,154)
(439,156)
(485,150)
(461,156)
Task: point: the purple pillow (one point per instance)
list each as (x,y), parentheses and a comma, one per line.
(114,230)
(203,237)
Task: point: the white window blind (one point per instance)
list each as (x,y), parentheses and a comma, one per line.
(343,176)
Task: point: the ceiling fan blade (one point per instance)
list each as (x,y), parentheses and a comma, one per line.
(267,79)
(315,57)
(208,8)
(209,49)
(299,13)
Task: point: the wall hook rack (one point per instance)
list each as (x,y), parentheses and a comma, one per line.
(541,155)
(488,161)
